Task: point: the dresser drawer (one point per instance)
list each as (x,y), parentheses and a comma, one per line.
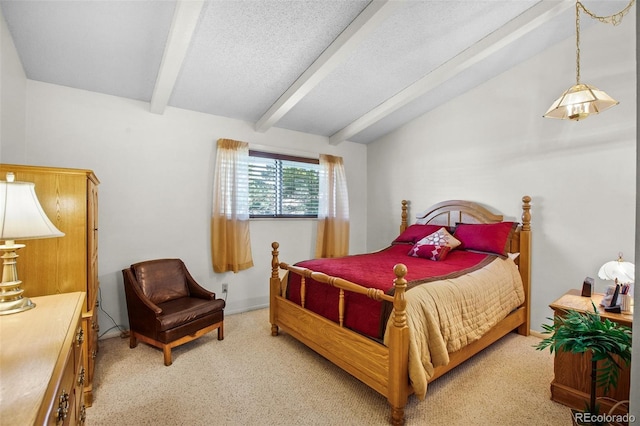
(63,410)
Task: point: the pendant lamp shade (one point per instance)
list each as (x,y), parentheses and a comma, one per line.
(580,101)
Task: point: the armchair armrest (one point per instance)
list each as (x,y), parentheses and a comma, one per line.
(138,299)
(196,289)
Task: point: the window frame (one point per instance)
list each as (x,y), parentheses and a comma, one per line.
(282,157)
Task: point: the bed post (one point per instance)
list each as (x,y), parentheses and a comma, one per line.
(398,391)
(403,217)
(525,262)
(274,287)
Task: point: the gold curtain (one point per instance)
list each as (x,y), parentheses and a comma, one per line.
(230,241)
(333,209)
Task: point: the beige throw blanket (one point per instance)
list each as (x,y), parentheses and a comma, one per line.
(444,316)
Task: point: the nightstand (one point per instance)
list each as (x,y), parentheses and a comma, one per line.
(571,382)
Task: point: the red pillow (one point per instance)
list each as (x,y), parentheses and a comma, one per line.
(429,251)
(415,233)
(487,237)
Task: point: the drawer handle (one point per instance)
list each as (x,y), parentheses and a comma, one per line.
(80,337)
(94,354)
(83,414)
(81,377)
(63,406)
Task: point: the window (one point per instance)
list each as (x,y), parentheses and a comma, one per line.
(282,185)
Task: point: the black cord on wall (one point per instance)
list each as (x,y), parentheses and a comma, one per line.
(123,331)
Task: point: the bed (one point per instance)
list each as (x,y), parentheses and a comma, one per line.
(391,358)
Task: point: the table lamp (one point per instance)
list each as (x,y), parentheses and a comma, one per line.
(21,218)
(621,273)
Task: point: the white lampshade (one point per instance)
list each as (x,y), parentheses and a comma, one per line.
(21,218)
(618,270)
(21,215)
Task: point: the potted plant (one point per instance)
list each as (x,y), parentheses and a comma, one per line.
(580,332)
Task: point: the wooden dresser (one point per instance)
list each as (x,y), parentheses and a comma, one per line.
(42,372)
(69,197)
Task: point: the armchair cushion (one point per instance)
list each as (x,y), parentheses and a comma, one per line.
(186,309)
(161,280)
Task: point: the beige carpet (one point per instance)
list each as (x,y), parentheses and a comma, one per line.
(252,378)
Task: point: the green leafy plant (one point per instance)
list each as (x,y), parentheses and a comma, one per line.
(580,332)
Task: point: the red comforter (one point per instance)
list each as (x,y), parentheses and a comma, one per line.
(375,270)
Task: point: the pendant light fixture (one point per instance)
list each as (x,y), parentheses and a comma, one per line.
(581,100)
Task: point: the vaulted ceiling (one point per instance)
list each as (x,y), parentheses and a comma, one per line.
(345,69)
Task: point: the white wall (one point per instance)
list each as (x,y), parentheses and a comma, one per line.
(13,83)
(492,145)
(155,196)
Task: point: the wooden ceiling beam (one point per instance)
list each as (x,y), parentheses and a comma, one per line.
(338,51)
(185,19)
(528,21)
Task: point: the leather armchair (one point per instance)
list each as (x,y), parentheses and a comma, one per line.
(166,307)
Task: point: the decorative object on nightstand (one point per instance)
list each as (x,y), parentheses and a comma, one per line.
(587,287)
(622,273)
(21,218)
(580,332)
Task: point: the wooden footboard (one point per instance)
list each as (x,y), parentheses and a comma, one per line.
(382,368)
(385,368)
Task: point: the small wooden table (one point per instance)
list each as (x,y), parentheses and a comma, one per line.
(572,372)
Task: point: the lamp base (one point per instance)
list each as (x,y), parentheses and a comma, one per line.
(14,306)
(11,299)
(613,309)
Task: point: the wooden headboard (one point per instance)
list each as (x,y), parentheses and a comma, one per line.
(451,212)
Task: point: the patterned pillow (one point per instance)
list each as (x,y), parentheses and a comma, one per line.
(441,238)
(429,251)
(435,246)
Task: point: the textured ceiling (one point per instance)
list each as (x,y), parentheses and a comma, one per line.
(348,70)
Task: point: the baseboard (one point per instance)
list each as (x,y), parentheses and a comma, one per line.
(538,334)
(116,332)
(238,310)
(110,334)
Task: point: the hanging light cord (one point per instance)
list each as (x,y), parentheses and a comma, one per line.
(614,19)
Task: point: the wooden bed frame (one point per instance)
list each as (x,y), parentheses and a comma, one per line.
(385,368)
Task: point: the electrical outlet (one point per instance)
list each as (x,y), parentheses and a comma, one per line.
(225,288)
